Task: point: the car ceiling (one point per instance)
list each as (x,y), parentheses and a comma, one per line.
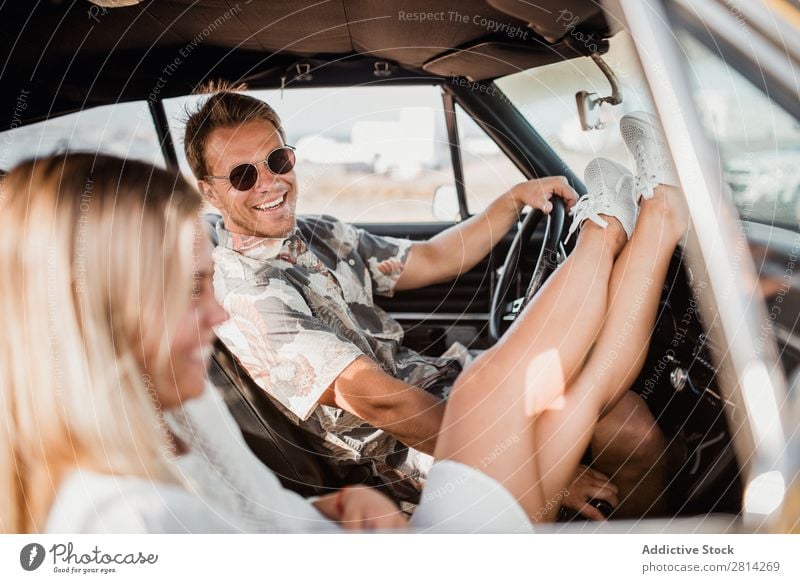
(63,56)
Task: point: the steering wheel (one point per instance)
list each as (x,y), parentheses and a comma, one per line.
(503,311)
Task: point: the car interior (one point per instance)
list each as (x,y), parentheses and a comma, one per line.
(98,56)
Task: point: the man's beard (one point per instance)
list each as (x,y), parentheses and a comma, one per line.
(274,229)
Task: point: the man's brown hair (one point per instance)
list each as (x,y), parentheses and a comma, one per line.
(227,107)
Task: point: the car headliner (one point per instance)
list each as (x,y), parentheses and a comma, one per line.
(67,56)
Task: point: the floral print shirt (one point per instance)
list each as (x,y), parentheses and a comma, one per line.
(302,310)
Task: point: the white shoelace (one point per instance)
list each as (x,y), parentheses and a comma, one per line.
(645,180)
(590,207)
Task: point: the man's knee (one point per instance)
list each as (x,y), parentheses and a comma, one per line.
(647,441)
(629,434)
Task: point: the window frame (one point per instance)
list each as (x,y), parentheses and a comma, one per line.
(166,147)
(159,116)
(161,119)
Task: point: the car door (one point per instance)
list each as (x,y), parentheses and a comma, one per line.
(436,316)
(727,228)
(492,148)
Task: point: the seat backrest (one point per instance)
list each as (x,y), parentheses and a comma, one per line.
(211,220)
(280,444)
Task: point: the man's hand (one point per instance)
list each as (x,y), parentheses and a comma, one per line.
(590,484)
(361,508)
(538,192)
(460,248)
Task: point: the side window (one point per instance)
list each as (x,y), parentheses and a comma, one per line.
(122,129)
(758,142)
(364,154)
(488,172)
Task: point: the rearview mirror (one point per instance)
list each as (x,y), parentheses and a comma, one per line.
(445,204)
(589,103)
(589,110)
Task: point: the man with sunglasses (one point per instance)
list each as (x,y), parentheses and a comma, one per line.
(304,324)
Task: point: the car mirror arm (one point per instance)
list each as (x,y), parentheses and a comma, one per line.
(589,103)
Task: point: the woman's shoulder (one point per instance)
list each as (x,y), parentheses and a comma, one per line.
(89,502)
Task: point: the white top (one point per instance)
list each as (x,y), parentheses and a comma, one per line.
(88,502)
(227,489)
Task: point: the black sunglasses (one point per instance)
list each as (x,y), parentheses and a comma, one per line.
(244,176)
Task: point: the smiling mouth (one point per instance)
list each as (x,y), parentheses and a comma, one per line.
(271,205)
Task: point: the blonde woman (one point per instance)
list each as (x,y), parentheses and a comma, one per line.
(109,316)
(106,423)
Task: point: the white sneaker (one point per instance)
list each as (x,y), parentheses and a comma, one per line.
(609,192)
(646,142)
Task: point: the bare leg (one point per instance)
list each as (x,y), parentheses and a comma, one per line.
(582,284)
(485,410)
(621,348)
(487,405)
(563,320)
(628,445)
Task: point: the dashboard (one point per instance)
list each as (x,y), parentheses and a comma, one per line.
(679,384)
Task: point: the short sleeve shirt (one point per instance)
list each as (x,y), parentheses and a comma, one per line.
(301,310)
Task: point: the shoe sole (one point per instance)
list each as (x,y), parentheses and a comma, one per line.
(651,122)
(645,118)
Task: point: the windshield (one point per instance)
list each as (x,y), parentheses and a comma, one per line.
(758,143)
(546,97)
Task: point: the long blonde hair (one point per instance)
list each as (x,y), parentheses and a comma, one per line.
(95,271)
